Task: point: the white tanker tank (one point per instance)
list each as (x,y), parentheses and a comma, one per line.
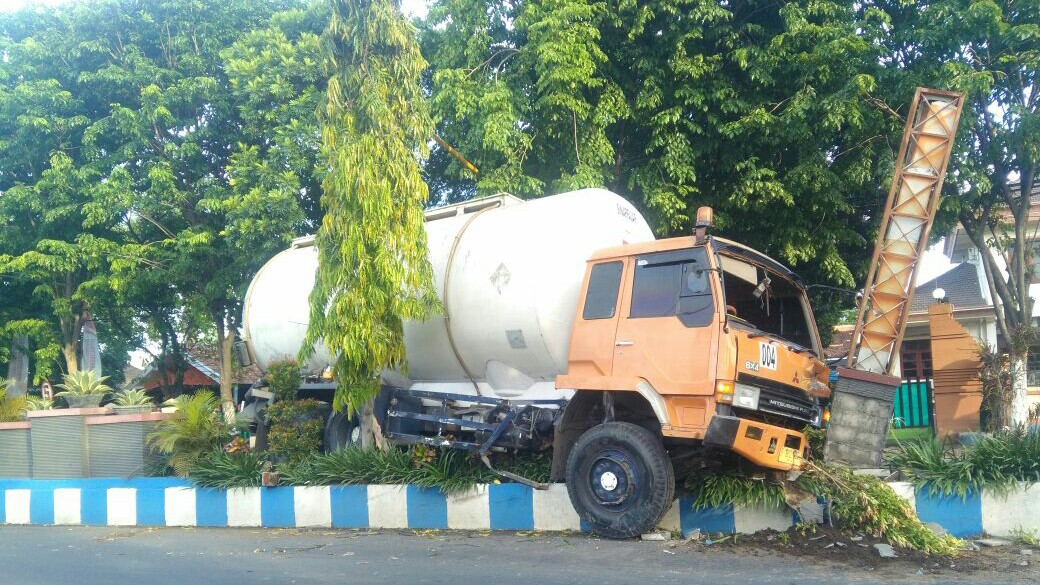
(509,273)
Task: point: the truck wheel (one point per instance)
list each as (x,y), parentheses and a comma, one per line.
(620,479)
(261,434)
(341,432)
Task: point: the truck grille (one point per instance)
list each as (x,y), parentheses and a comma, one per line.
(782,400)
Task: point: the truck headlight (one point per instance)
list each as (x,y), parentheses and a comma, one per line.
(745,396)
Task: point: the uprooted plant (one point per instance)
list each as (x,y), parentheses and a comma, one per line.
(865,503)
(857,502)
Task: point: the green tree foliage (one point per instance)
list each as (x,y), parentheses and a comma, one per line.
(373,268)
(770,113)
(154,155)
(989,49)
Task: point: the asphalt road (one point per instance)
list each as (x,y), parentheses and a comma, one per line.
(109,556)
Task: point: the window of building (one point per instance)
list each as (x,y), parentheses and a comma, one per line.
(915,358)
(601,298)
(1033,367)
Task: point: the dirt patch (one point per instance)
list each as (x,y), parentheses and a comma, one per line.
(833,546)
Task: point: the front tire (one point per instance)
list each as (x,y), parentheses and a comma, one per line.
(620,479)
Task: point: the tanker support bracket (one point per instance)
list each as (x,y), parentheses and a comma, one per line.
(482,449)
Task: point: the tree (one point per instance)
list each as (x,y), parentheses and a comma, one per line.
(989,49)
(373,270)
(63,253)
(769,112)
(173,156)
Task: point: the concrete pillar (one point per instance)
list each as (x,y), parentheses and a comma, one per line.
(955,366)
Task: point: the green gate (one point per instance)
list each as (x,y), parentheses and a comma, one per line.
(913,405)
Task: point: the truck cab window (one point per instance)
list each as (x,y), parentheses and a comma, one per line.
(601,297)
(767,301)
(669,284)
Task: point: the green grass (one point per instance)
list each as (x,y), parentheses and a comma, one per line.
(897,436)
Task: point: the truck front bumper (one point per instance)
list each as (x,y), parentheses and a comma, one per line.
(765,445)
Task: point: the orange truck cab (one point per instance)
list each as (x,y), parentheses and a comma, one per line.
(716,339)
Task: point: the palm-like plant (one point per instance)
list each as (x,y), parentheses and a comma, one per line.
(133,397)
(33,402)
(12,408)
(194,430)
(84,383)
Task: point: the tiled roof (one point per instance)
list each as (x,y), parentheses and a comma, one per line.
(841,339)
(962,288)
(206,359)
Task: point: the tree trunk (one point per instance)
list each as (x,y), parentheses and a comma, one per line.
(1018,409)
(69,350)
(371,431)
(226,341)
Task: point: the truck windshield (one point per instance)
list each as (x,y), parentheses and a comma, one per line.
(767,302)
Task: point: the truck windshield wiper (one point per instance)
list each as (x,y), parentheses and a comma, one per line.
(756,332)
(799,349)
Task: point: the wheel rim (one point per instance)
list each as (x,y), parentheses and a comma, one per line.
(355,434)
(611,479)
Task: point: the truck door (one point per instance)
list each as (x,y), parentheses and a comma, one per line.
(667,332)
(592,341)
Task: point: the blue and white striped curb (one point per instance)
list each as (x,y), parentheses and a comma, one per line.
(174,502)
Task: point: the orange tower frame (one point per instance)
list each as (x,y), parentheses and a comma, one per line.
(903,236)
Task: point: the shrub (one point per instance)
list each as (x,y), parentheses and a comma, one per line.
(134,397)
(996,378)
(223,470)
(34,402)
(996,462)
(196,428)
(84,383)
(451,471)
(817,439)
(12,408)
(283,376)
(296,428)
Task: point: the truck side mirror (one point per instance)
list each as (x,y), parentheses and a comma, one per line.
(241,353)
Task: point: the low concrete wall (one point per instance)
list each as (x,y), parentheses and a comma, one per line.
(174,502)
(77,442)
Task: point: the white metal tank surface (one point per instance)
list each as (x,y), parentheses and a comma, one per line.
(509,273)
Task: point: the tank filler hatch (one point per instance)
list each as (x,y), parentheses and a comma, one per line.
(472,206)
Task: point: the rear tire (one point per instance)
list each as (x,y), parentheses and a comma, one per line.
(341,432)
(620,479)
